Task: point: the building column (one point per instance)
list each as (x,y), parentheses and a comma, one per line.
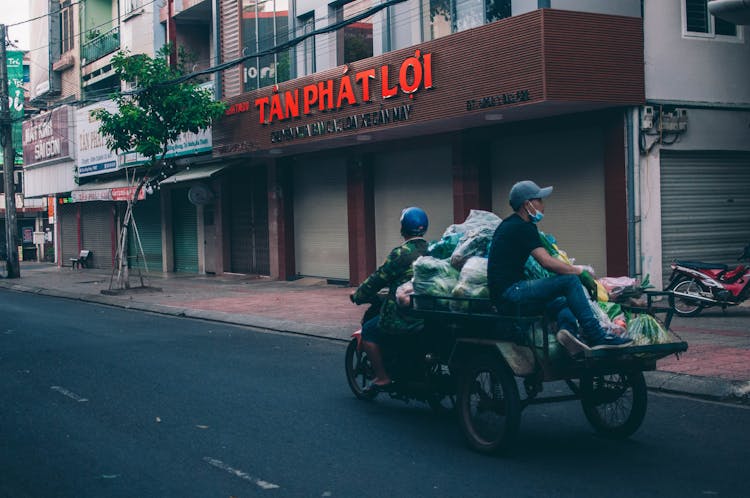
(616,199)
(280,220)
(167,237)
(471,177)
(360,200)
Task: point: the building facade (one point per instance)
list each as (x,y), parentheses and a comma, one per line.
(694,158)
(446,111)
(342,114)
(85,184)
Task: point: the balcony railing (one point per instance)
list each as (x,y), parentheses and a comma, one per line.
(104,44)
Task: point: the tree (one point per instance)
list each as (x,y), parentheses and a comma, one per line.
(151,115)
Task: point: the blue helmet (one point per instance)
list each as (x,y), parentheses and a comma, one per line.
(414,221)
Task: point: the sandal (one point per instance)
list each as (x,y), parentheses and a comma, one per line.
(373,388)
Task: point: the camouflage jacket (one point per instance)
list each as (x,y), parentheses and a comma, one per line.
(396,270)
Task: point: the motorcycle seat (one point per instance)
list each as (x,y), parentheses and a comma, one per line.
(734,275)
(698,265)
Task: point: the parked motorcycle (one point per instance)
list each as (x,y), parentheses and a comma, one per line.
(698,285)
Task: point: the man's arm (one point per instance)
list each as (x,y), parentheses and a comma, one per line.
(553,264)
(382,277)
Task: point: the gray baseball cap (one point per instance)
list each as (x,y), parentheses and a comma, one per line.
(525,190)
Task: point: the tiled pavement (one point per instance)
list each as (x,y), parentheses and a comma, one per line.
(716,365)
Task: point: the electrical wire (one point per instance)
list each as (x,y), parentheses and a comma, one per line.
(285,45)
(46,15)
(106,94)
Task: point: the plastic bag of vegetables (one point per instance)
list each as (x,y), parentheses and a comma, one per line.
(472,283)
(644,329)
(434,277)
(476,219)
(606,322)
(443,248)
(465,234)
(403,292)
(476,242)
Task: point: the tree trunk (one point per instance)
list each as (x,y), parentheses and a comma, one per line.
(121,258)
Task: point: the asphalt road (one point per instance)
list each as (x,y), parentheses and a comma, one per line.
(104,402)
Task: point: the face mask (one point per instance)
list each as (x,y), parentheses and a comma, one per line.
(536,217)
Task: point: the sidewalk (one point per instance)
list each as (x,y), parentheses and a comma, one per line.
(716,365)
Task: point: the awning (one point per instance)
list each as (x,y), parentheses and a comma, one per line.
(113,190)
(194,173)
(97,185)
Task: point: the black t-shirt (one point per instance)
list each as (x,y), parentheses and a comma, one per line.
(511,246)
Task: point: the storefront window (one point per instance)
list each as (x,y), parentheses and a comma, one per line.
(357,36)
(699,21)
(439,20)
(443,17)
(67,29)
(497,9)
(469,14)
(265,24)
(306,50)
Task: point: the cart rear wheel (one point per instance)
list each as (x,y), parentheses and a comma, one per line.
(489,405)
(615,404)
(358,371)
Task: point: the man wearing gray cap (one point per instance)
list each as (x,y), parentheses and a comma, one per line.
(563,296)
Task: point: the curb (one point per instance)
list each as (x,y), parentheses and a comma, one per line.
(259,322)
(708,388)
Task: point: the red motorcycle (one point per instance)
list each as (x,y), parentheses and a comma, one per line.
(697,285)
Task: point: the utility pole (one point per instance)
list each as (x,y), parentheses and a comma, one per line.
(9,160)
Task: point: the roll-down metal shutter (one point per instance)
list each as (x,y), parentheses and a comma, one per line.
(249,223)
(419,177)
(3,244)
(98,232)
(67,217)
(572,161)
(705,206)
(321,233)
(185,232)
(147,217)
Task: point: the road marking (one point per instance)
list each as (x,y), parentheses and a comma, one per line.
(69,394)
(238,473)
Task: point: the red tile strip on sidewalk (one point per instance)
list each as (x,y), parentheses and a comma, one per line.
(707,360)
(326,306)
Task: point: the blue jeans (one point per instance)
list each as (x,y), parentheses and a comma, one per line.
(563,297)
(371,331)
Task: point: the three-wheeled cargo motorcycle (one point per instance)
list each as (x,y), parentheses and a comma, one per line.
(489,367)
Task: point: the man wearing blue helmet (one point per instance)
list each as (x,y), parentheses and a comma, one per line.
(515,239)
(396,270)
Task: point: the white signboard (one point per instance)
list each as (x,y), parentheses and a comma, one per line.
(94,157)
(187,144)
(102,194)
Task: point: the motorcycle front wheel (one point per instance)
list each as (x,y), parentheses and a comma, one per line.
(685,306)
(358,371)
